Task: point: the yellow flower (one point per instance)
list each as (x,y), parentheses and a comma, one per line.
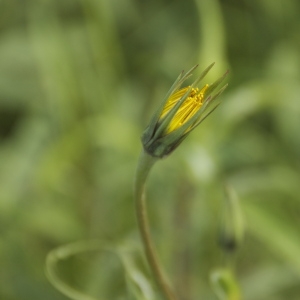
(188,108)
(182,110)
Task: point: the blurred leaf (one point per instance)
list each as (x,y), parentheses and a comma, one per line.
(139,286)
(225,285)
(62,253)
(232,224)
(267,282)
(280,237)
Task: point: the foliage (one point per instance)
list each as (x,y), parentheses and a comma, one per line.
(79,80)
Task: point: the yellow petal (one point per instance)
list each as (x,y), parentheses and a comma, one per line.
(188,108)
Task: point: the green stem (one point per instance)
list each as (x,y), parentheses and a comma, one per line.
(144,166)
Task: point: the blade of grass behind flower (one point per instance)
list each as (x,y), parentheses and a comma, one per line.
(138,285)
(62,253)
(225,285)
(281,238)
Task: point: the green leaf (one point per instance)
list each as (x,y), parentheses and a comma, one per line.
(225,285)
(139,286)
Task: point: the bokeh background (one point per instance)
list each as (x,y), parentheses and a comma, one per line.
(79,79)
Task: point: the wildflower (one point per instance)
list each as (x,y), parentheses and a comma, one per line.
(182,110)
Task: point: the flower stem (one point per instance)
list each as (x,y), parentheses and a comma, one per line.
(144,166)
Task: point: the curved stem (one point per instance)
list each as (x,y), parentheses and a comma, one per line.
(144,166)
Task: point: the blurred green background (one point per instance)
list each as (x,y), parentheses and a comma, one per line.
(79,79)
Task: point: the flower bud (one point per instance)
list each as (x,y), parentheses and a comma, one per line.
(232,225)
(182,110)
